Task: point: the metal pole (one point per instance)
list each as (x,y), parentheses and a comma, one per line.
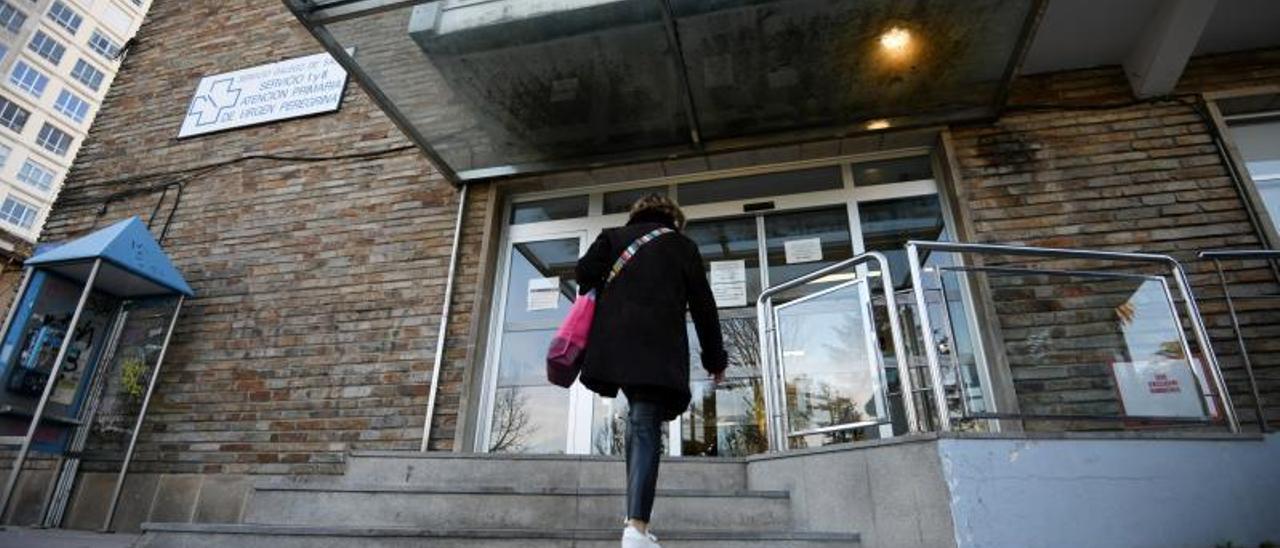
(12,483)
(142,415)
(67,474)
(1206,350)
(1244,352)
(444,321)
(899,345)
(930,348)
(764,309)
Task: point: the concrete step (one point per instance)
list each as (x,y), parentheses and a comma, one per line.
(186,535)
(503,470)
(288,503)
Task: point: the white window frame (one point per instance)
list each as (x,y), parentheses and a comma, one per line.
(65,17)
(36,175)
(76,73)
(28,79)
(72,105)
(55,51)
(9,13)
(30,209)
(103,45)
(7,104)
(48,131)
(1249,188)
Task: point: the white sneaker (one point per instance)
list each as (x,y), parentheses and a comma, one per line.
(633,538)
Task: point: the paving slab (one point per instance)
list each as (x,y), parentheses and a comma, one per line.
(22,537)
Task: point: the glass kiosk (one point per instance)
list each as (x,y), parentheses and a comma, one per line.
(73,339)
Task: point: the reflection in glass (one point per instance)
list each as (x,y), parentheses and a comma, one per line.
(764,185)
(620,201)
(549,210)
(730,419)
(1094,345)
(1259,145)
(728,240)
(898,170)
(790,240)
(528,414)
(529,419)
(888,225)
(609,426)
(829,375)
(129,371)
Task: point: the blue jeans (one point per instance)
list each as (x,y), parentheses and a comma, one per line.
(644,449)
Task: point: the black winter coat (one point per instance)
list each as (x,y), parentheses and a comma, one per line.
(638,340)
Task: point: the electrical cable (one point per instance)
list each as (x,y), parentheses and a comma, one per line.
(192,173)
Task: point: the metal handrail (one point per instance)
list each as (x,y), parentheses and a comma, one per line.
(1175,268)
(774,399)
(1217,256)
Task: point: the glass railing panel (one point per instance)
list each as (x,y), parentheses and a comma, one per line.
(1077,340)
(829,366)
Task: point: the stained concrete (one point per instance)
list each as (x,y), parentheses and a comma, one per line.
(890,492)
(1120,493)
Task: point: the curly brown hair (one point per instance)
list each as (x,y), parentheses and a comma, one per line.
(657,205)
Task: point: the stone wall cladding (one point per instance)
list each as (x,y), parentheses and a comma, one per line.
(319,284)
(1118,175)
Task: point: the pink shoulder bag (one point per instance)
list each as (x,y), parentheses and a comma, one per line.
(564,358)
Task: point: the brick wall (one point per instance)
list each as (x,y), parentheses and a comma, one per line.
(318,284)
(1137,177)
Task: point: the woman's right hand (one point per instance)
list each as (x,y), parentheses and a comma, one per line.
(717,379)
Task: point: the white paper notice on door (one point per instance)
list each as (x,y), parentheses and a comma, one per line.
(1158,388)
(544,293)
(808,250)
(729,283)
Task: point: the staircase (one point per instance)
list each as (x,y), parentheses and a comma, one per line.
(402,499)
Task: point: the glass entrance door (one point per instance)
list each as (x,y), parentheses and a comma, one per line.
(761,250)
(837,378)
(526,414)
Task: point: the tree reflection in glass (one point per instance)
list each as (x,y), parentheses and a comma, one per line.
(729,420)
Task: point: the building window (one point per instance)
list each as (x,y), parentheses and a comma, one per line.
(10,18)
(65,17)
(18,212)
(1254,122)
(13,116)
(46,46)
(36,175)
(4,155)
(72,106)
(4,52)
(103,45)
(87,75)
(28,79)
(54,140)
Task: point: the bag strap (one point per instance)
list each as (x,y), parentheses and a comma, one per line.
(631,250)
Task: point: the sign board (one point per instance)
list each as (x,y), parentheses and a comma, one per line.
(266,93)
(1158,388)
(544,294)
(808,250)
(729,283)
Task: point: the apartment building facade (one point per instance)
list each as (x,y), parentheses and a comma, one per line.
(58,58)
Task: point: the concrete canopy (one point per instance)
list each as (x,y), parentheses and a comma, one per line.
(493,88)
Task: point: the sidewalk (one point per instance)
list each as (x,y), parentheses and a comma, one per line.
(18,537)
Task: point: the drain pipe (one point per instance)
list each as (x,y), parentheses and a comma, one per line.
(444,320)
